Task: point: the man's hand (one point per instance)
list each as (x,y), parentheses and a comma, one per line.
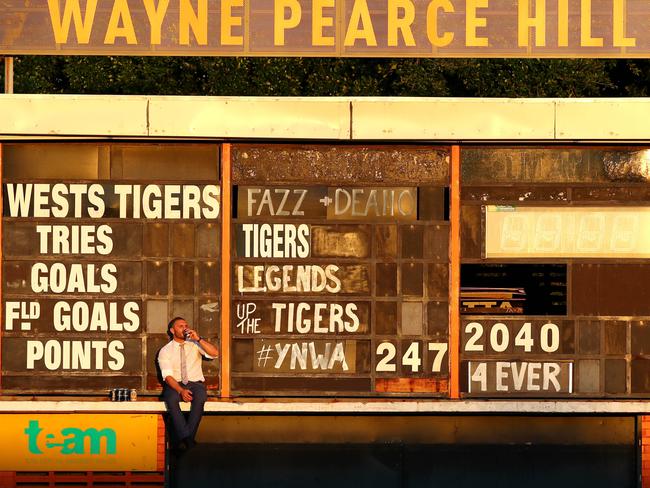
(192,335)
(186,395)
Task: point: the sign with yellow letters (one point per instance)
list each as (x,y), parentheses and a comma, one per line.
(334,28)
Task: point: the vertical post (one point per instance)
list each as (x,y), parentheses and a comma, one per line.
(9,74)
(454,275)
(1,259)
(160,448)
(226,213)
(643,435)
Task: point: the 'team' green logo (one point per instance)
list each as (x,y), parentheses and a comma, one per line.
(73,440)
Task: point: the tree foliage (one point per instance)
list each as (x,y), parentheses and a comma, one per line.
(331,76)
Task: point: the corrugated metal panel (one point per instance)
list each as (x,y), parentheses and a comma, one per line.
(56,115)
(606,119)
(452,119)
(250,117)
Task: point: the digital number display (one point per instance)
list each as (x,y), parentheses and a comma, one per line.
(575,232)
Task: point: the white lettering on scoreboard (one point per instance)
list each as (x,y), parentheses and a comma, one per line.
(269,252)
(307,318)
(535,377)
(71,279)
(75,354)
(287,278)
(520,337)
(314,356)
(77,200)
(274,201)
(275,240)
(388,204)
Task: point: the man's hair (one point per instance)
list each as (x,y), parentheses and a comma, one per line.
(173,321)
(171,324)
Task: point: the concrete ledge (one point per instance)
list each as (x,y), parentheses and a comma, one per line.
(555,407)
(73,115)
(453,119)
(250,117)
(603,119)
(324,118)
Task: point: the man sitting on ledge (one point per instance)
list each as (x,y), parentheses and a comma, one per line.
(180,365)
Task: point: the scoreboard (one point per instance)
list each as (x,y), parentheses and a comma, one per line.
(339,276)
(340,264)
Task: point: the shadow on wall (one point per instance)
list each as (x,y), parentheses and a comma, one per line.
(404,466)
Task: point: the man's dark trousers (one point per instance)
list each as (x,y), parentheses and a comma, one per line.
(181,428)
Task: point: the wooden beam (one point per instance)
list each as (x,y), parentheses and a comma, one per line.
(226,213)
(9,74)
(454,275)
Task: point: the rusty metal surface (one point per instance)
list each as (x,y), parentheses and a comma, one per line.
(610,289)
(555,165)
(532,165)
(333,165)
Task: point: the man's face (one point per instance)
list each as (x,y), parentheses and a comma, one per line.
(178,329)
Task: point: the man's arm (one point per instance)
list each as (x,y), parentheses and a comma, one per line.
(185,394)
(210,349)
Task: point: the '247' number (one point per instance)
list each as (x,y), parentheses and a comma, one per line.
(411,356)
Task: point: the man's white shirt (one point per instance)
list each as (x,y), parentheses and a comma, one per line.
(169,360)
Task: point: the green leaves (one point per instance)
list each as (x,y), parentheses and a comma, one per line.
(331,76)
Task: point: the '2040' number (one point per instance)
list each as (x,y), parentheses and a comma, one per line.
(549,337)
(411,358)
